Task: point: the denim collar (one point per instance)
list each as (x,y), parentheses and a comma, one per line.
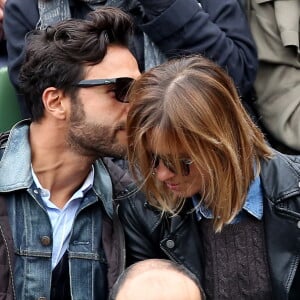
(253,204)
(84,188)
(15,164)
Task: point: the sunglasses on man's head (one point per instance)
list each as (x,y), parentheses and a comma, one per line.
(121,84)
(171,166)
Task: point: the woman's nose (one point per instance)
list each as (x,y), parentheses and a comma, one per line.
(162,172)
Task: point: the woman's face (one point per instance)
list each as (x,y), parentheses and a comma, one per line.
(183,184)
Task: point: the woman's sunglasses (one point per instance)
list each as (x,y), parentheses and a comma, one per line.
(121,84)
(171,166)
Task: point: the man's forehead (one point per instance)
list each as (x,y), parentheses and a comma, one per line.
(118,62)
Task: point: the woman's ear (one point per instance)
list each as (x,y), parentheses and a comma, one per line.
(54,102)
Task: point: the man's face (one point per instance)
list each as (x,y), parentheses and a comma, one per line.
(98,119)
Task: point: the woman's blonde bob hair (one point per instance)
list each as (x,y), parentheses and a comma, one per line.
(190,104)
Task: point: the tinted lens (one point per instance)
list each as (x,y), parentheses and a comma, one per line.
(184,164)
(122,87)
(155,161)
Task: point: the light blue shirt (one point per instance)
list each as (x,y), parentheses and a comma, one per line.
(253,204)
(62,219)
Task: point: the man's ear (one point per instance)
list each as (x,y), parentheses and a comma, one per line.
(55,102)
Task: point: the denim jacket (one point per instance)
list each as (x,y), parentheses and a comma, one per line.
(96,248)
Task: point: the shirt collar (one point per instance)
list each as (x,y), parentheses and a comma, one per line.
(86,186)
(253,203)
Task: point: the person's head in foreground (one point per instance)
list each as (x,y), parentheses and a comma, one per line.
(156,279)
(75,77)
(189,135)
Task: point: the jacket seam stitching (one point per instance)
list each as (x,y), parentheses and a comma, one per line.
(292,274)
(9,260)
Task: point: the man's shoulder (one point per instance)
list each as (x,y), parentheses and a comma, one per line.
(122,182)
(11,140)
(3,140)
(4,137)
(118,170)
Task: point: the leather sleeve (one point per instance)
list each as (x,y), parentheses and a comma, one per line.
(139,223)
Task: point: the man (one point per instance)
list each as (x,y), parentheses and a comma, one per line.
(163,29)
(57,190)
(157,279)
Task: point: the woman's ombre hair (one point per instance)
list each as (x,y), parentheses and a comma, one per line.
(191,105)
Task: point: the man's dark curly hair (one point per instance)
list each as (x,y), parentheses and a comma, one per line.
(56,56)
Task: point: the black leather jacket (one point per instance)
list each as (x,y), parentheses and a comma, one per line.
(149,235)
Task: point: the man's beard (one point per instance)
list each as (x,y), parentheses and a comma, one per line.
(93,140)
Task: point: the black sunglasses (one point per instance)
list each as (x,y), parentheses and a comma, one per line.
(171,166)
(121,84)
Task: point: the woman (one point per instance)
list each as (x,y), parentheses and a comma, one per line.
(219,199)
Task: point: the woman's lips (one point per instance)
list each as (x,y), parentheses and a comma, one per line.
(172,186)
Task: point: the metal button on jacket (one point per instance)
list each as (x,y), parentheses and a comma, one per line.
(170,244)
(45,240)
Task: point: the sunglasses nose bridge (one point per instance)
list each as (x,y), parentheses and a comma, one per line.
(163,173)
(155,161)
(158,162)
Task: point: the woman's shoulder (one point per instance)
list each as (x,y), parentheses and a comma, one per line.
(280,175)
